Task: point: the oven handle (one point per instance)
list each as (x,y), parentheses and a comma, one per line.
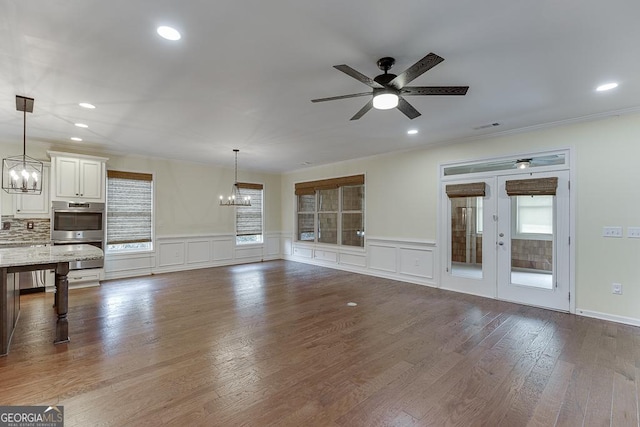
(78,210)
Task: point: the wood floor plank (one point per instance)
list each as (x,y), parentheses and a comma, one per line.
(548,407)
(274,343)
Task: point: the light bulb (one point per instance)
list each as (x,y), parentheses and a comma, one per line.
(35,176)
(385,101)
(25,174)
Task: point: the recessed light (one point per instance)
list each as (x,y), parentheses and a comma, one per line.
(169,33)
(75,138)
(87,105)
(607,86)
(82,125)
(412,131)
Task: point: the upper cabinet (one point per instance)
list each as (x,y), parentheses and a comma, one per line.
(34,205)
(77,177)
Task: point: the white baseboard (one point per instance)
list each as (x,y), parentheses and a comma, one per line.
(610,317)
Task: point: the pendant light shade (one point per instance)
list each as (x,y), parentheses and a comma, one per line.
(235,198)
(22,174)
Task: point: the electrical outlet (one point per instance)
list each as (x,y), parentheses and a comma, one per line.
(30,225)
(616,288)
(612,231)
(633,232)
(6,225)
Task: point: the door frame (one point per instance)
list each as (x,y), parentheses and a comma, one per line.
(442,234)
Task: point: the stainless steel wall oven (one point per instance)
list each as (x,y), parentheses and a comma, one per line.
(78,222)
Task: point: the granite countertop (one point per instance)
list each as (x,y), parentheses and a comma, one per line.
(19,243)
(32,255)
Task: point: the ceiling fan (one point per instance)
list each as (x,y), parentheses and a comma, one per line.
(389,89)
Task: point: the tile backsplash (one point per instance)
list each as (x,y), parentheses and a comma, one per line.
(18,230)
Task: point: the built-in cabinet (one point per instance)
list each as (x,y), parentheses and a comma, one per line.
(77,177)
(34,205)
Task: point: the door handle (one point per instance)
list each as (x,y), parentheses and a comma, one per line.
(501,243)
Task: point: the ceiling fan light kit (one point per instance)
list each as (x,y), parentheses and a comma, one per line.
(389,89)
(385,100)
(22,174)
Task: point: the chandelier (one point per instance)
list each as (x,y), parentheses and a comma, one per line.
(235,199)
(22,174)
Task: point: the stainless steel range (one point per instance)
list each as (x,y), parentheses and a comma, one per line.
(79,222)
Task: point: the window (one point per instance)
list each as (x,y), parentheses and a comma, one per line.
(249,218)
(129,211)
(331,211)
(534,214)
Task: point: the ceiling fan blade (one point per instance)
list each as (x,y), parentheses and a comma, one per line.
(358,76)
(434,90)
(425,64)
(368,106)
(406,108)
(333,98)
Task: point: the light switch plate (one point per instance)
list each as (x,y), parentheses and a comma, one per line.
(633,232)
(612,231)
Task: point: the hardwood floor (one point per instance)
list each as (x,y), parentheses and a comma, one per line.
(276,344)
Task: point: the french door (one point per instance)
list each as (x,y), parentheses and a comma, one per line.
(533,239)
(511,242)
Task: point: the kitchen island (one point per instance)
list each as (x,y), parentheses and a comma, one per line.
(17,260)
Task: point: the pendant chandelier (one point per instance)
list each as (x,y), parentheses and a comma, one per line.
(235,199)
(22,174)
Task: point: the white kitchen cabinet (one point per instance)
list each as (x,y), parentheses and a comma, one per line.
(34,205)
(77,177)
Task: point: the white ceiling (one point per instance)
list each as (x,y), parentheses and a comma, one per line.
(244,73)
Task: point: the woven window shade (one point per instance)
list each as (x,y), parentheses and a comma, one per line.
(130,175)
(250,186)
(249,218)
(310,187)
(532,187)
(129,207)
(475,189)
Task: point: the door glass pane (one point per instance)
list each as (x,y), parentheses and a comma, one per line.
(466,237)
(532,239)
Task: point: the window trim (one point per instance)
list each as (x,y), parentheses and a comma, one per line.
(313,188)
(143,176)
(249,186)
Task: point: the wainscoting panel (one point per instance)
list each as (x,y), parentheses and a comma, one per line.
(177,253)
(222,249)
(355,260)
(302,252)
(407,261)
(323,255)
(198,251)
(416,262)
(171,253)
(128,265)
(273,246)
(253,252)
(383,258)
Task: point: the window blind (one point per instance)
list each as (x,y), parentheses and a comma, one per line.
(129,207)
(532,187)
(249,218)
(475,189)
(310,187)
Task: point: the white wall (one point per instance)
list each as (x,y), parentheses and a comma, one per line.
(402,195)
(191,229)
(401,207)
